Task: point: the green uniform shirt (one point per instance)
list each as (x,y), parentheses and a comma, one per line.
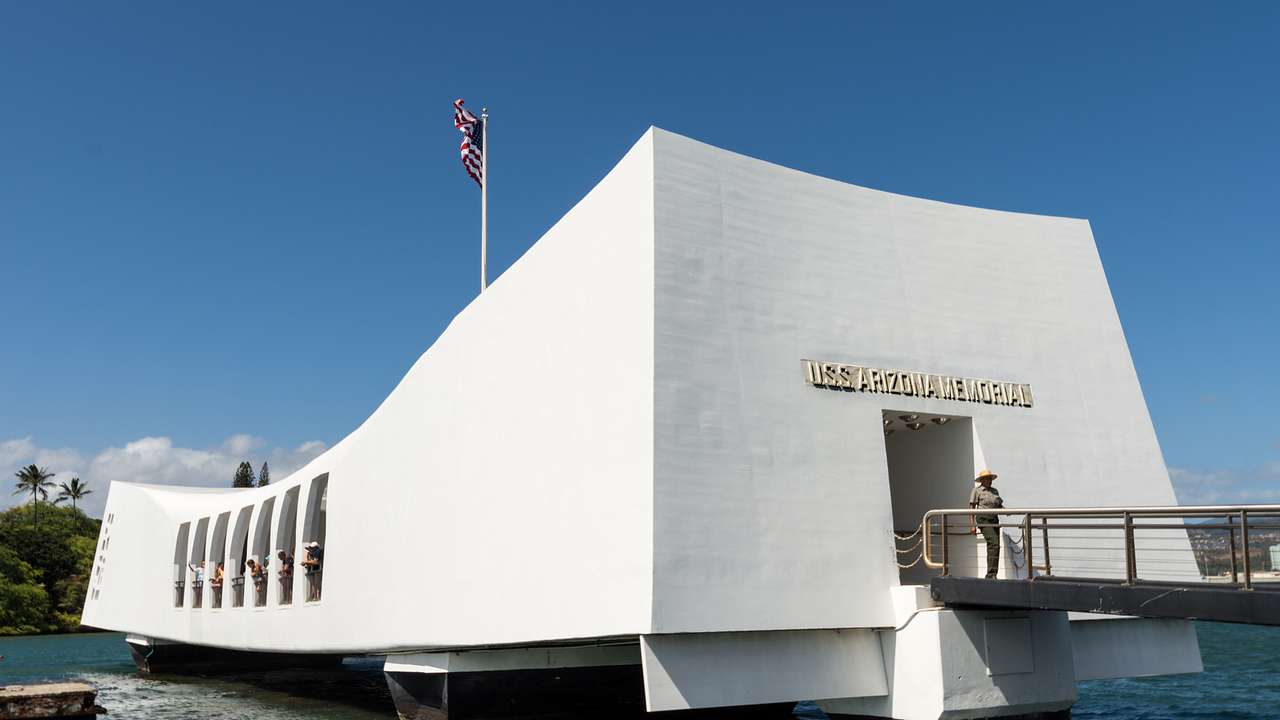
(985,498)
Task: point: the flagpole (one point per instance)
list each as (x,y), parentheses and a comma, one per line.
(484,198)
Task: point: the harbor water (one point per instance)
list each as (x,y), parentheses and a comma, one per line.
(1241,680)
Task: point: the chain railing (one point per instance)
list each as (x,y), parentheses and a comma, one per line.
(1127,544)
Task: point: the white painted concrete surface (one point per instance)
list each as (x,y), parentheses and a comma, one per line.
(705,670)
(616,439)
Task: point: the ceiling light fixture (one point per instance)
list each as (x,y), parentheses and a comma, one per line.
(915,425)
(909,418)
(941,420)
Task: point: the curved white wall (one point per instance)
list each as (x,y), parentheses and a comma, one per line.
(617,439)
(502,492)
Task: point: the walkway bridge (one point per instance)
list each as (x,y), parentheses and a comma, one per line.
(1215,563)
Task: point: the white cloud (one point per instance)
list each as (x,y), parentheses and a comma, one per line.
(1226,486)
(155,460)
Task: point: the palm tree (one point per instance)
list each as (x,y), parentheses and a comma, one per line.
(34,480)
(73,491)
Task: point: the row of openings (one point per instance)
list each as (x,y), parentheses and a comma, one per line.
(254,570)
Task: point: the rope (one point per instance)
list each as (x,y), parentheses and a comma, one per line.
(913,563)
(908,537)
(913,547)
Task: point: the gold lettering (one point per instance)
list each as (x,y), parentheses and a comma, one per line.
(1026,396)
(860,381)
(917,384)
(844,378)
(949,388)
(828,374)
(932,386)
(812,373)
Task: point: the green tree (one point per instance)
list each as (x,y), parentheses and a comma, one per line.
(44,572)
(243,477)
(37,481)
(73,491)
(264,476)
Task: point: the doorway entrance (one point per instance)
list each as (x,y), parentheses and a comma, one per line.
(931,465)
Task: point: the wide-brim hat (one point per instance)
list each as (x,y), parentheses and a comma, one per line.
(312,544)
(986,475)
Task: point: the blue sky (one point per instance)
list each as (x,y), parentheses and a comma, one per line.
(228,230)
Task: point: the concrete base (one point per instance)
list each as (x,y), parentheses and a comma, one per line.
(543,683)
(604,691)
(946,664)
(160,656)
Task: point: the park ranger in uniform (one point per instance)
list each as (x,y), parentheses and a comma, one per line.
(986,497)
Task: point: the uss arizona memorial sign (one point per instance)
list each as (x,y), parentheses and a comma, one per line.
(856,378)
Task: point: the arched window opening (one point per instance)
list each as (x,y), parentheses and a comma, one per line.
(218,559)
(286,541)
(239,554)
(313,528)
(196,564)
(261,552)
(180,563)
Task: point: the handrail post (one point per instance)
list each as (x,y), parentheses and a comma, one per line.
(1231,542)
(946,567)
(1130,557)
(1044,537)
(1244,546)
(1027,550)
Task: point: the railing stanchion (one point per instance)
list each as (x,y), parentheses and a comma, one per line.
(1130,557)
(946,567)
(1244,546)
(1028,554)
(1044,538)
(1231,542)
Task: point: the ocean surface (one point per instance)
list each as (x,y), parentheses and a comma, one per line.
(1241,680)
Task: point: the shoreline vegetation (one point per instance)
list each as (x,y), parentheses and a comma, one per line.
(44,568)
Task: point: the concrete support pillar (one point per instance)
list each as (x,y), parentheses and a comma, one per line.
(942,663)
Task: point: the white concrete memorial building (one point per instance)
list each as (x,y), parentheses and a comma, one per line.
(660,462)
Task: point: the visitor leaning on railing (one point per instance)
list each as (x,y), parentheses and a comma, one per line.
(313,563)
(286,577)
(197,584)
(215,583)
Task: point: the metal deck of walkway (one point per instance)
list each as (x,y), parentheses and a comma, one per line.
(1199,601)
(1157,587)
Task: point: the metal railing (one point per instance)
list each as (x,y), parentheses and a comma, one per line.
(313,574)
(1096,543)
(237,591)
(179,592)
(216,586)
(259,591)
(197,594)
(286,589)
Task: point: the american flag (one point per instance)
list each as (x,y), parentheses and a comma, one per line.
(472,141)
